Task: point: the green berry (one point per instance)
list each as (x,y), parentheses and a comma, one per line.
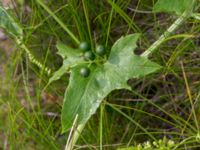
(84,46)
(89,55)
(85,72)
(100,50)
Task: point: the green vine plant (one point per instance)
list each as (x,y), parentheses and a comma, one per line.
(14,29)
(85,93)
(95,72)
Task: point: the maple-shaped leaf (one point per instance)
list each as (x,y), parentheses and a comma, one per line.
(84,95)
(173,6)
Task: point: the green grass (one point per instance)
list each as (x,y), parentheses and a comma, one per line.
(165,104)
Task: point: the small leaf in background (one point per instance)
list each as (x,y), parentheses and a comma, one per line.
(84,95)
(9,24)
(71,58)
(172,6)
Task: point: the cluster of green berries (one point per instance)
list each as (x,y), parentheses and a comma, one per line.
(88,55)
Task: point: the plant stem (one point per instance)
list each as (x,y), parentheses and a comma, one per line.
(75,136)
(101,127)
(167,33)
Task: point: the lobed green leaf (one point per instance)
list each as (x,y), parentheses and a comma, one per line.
(84,95)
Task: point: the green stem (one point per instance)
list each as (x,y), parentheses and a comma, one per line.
(167,33)
(101,127)
(70,144)
(59,21)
